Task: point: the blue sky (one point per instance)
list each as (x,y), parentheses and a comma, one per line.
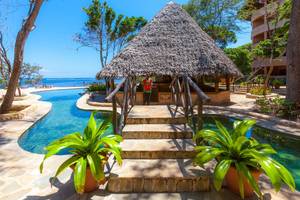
(51,44)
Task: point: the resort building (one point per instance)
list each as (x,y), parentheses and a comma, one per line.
(259,21)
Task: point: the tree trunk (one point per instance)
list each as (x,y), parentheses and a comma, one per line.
(18,54)
(293,55)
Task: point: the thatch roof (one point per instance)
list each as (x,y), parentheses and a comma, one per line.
(171,44)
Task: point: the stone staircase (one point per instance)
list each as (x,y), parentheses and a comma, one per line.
(157,153)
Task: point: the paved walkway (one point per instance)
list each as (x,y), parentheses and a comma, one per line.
(20,178)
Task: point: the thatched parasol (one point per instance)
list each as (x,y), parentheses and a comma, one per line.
(172,44)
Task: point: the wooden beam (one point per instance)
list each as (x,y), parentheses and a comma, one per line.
(227,83)
(113,93)
(200,114)
(199,92)
(124,106)
(190,103)
(217,85)
(186,97)
(114,105)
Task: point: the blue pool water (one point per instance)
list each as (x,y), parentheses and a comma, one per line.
(64,118)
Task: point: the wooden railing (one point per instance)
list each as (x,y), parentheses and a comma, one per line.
(126,104)
(181,94)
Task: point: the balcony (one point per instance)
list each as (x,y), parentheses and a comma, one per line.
(265,62)
(264,28)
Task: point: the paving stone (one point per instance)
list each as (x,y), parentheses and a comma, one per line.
(16,195)
(10,187)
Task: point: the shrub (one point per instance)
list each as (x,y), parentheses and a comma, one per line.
(277,106)
(96,87)
(259,91)
(277,82)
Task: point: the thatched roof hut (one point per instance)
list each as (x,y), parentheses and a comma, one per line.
(172,44)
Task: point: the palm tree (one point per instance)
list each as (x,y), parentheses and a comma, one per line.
(293,55)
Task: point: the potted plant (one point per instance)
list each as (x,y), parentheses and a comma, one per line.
(240,160)
(90,152)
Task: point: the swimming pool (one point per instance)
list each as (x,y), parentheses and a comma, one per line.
(65,118)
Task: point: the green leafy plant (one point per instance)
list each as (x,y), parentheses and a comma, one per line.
(259,91)
(96,87)
(277,106)
(277,82)
(90,150)
(233,148)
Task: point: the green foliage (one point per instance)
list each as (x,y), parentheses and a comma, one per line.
(90,150)
(218,18)
(30,74)
(277,82)
(96,87)
(107,31)
(242,57)
(248,8)
(260,91)
(259,79)
(279,107)
(233,148)
(270,47)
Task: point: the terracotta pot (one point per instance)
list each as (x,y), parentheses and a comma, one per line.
(232,181)
(90,183)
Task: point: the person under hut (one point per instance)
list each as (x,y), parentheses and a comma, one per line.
(147,86)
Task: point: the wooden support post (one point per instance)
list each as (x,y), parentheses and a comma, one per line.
(180,93)
(114,104)
(227,83)
(186,97)
(124,106)
(133,91)
(217,85)
(200,114)
(190,103)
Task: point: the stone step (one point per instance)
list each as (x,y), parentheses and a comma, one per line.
(157,131)
(156,120)
(160,175)
(158,149)
(155,115)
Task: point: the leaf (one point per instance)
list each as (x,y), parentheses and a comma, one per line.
(242,128)
(207,155)
(80,175)
(244,169)
(285,175)
(220,171)
(70,161)
(241,182)
(270,170)
(95,166)
(115,151)
(91,127)
(224,132)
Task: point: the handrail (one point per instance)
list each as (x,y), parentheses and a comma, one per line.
(114,92)
(199,92)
